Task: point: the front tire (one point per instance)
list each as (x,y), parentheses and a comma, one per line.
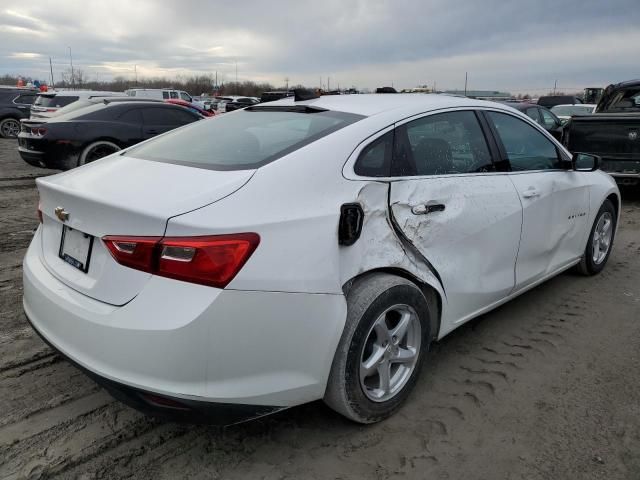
(600,241)
(378,359)
(97,150)
(9,128)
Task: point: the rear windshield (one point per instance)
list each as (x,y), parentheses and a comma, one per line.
(242,140)
(627,100)
(569,110)
(54,101)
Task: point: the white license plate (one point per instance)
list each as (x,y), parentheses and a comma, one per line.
(75,248)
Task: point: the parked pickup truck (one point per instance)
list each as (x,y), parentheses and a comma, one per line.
(612,132)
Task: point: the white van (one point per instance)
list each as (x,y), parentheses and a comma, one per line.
(163,94)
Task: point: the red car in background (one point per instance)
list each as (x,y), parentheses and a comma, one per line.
(190,106)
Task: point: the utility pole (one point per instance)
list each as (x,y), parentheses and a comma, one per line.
(320,82)
(51,68)
(287,80)
(237,77)
(465,84)
(328,84)
(135,71)
(555,85)
(72,75)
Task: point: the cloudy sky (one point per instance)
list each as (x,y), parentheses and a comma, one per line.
(514,45)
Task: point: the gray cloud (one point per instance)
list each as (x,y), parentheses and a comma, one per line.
(513,45)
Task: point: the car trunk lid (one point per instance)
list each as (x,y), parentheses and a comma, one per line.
(118,196)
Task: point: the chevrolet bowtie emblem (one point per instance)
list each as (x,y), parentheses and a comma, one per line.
(61,213)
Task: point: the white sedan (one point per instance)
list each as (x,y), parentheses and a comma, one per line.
(305,249)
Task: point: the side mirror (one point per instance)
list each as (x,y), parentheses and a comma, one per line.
(585,162)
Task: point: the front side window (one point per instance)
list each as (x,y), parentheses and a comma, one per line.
(245,140)
(533,114)
(526,147)
(441,144)
(548,120)
(184,96)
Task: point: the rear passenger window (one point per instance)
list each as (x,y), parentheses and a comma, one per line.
(165,95)
(441,144)
(174,94)
(526,147)
(25,99)
(156,116)
(131,116)
(182,116)
(375,159)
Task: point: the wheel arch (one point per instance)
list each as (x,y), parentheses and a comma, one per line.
(103,139)
(615,199)
(429,291)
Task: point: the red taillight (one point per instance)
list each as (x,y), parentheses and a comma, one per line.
(212,260)
(40,211)
(133,252)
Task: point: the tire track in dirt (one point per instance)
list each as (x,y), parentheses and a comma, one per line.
(532,390)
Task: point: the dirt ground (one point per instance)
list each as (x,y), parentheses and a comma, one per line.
(546,387)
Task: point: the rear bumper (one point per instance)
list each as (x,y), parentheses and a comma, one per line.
(191,343)
(625,171)
(48,154)
(172,408)
(32,157)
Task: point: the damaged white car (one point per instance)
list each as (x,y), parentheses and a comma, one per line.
(309,248)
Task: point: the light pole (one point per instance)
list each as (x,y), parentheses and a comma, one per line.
(72,75)
(237,87)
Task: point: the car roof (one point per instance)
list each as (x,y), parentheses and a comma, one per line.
(80,93)
(377,103)
(522,105)
(591,105)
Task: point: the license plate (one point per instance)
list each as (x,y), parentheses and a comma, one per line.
(75,248)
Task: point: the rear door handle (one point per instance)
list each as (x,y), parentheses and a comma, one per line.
(428,208)
(531,192)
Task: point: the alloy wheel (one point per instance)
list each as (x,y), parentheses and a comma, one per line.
(602,235)
(390,353)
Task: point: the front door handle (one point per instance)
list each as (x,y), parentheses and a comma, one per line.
(531,192)
(428,208)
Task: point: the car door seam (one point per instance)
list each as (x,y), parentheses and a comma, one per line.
(407,244)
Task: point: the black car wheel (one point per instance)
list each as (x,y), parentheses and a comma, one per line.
(97,150)
(9,128)
(378,359)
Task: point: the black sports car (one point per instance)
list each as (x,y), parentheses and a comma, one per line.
(84,135)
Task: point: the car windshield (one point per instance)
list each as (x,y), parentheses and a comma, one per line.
(54,101)
(570,110)
(627,100)
(242,140)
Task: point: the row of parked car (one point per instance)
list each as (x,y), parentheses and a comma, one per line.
(67,129)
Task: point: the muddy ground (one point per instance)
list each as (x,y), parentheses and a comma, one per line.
(546,387)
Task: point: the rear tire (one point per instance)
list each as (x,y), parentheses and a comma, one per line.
(377,306)
(97,150)
(9,128)
(600,243)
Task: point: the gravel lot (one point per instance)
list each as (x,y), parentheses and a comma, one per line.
(546,387)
